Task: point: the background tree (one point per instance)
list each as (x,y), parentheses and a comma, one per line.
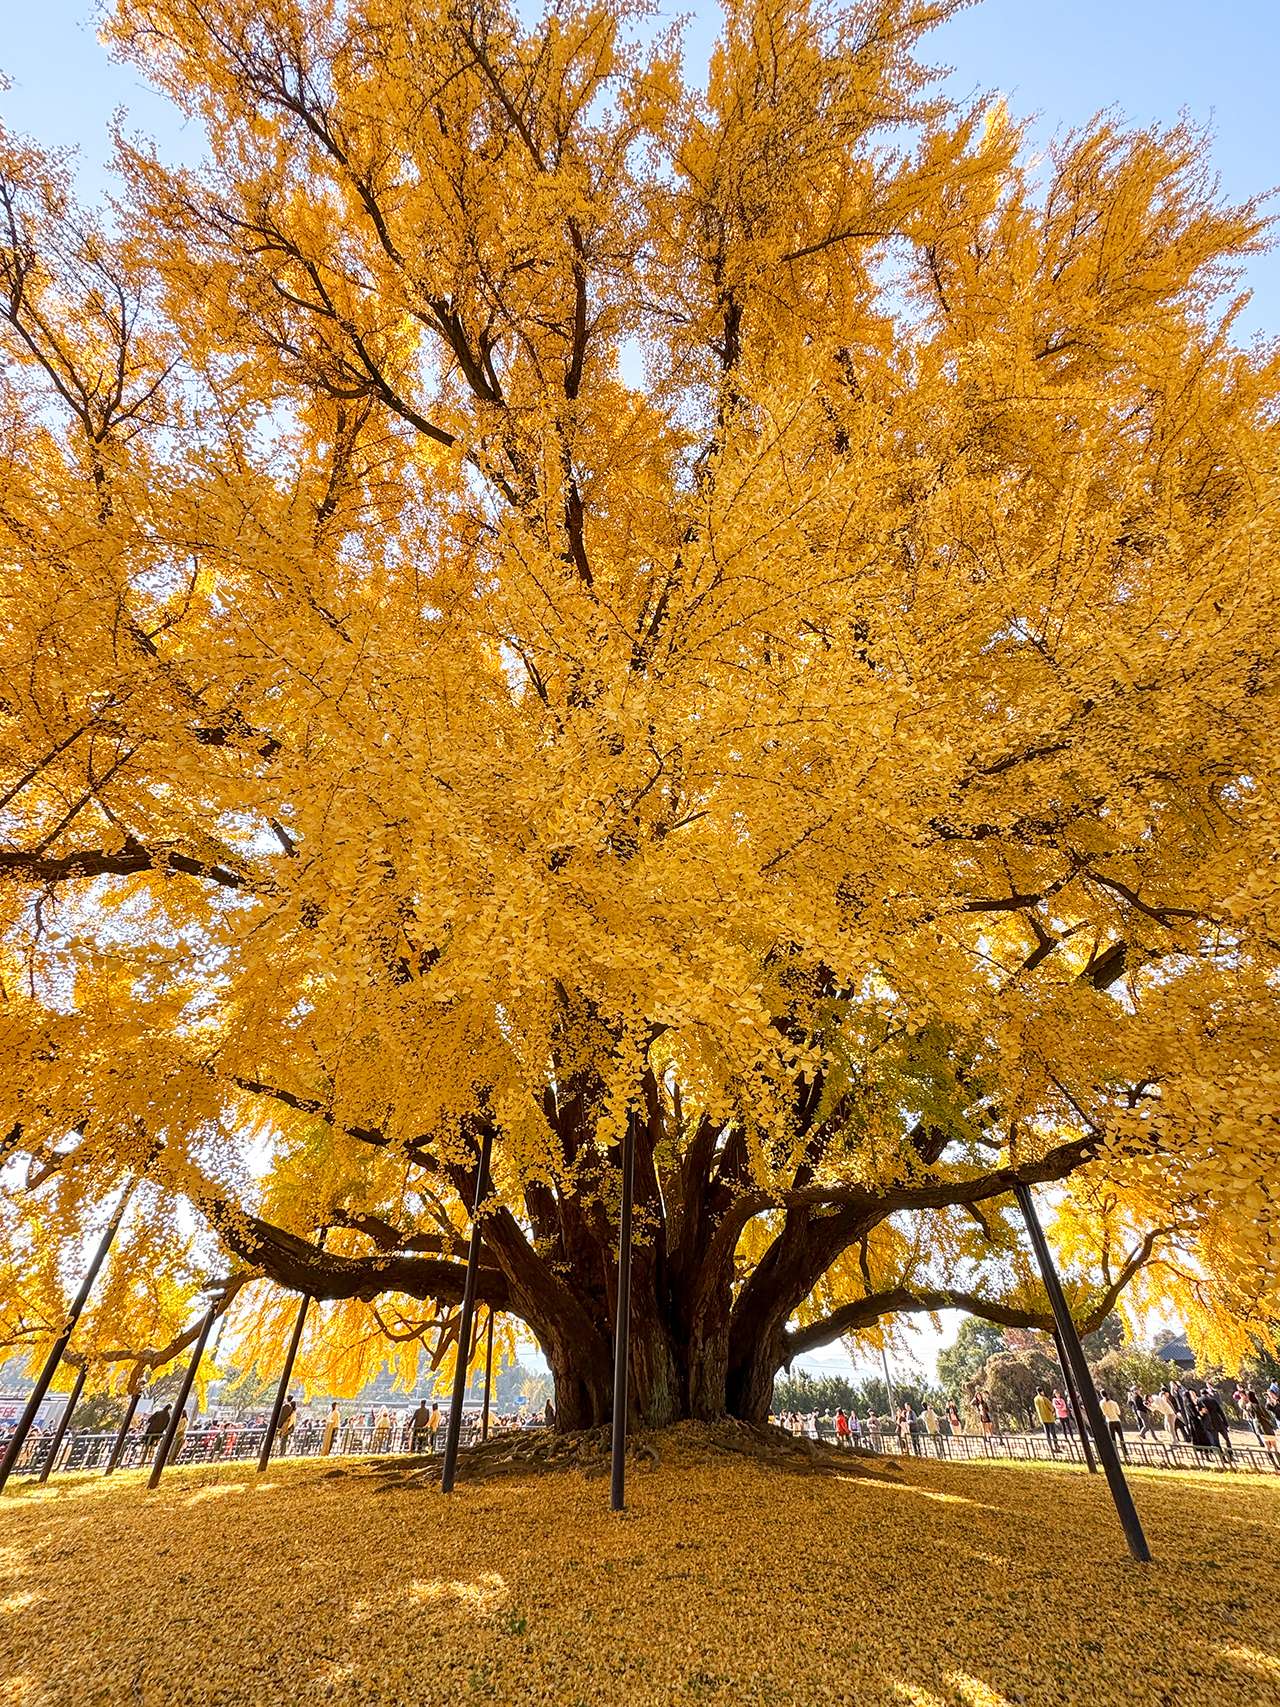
(533,594)
(976,1341)
(1013,1378)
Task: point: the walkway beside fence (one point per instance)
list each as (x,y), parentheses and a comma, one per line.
(83,1452)
(1034,1448)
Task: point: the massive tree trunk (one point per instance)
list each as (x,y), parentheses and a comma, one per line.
(704,1340)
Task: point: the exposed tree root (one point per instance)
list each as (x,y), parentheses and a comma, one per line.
(540,1451)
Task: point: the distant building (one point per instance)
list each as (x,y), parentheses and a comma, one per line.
(1178,1352)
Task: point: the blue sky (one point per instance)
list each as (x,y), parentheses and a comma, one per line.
(1061,62)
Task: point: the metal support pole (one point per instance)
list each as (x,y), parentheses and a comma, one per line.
(282,1391)
(61,1429)
(488,1377)
(1073,1399)
(54,1358)
(453,1428)
(1075,1353)
(622,1329)
(888,1385)
(118,1448)
(171,1433)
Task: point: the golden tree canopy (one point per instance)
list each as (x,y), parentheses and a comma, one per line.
(531,591)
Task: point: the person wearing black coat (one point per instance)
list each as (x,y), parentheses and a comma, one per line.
(153,1433)
(1214,1419)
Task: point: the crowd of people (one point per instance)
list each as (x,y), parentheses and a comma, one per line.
(377,1428)
(1176,1413)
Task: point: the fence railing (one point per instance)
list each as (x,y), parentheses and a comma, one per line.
(84,1452)
(1154,1454)
(87,1452)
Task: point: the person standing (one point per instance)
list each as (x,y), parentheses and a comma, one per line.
(1215,1421)
(913,1428)
(288,1417)
(433,1424)
(953,1419)
(984,1414)
(1263,1423)
(1062,1412)
(152,1435)
(933,1423)
(332,1424)
(1115,1427)
(843,1437)
(1047,1412)
(420,1422)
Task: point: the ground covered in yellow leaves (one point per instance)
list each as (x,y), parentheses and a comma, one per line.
(726,1580)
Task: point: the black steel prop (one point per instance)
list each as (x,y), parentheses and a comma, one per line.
(118,1448)
(63,1420)
(622,1331)
(1073,1399)
(282,1391)
(1080,1369)
(453,1429)
(171,1433)
(488,1377)
(54,1358)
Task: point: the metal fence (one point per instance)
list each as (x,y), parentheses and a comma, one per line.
(1159,1454)
(225,1445)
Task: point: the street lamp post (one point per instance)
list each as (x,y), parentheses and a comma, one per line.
(453,1429)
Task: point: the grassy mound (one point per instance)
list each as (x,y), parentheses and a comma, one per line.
(729,1579)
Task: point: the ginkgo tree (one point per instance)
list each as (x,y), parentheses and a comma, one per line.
(536,593)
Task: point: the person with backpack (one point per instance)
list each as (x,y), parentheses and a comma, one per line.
(288,1417)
